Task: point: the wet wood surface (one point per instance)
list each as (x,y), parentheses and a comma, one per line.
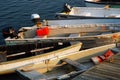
(108,70)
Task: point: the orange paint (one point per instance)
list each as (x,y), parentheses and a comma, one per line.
(108,54)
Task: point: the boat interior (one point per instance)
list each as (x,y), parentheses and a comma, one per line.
(66,67)
(67,31)
(14,52)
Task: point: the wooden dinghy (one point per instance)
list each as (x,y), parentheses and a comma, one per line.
(64,66)
(102,3)
(12,52)
(11,66)
(64,30)
(90,12)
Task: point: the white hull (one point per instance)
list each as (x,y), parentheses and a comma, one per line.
(91,12)
(11,66)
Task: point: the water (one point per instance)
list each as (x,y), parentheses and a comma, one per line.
(17,13)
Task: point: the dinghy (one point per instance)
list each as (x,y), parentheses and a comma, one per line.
(64,67)
(63,30)
(10,66)
(90,12)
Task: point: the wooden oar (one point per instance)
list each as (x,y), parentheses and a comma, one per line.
(35,50)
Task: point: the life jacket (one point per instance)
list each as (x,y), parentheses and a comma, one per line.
(108,54)
(42,31)
(98,59)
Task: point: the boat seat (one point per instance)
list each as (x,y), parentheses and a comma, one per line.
(75,64)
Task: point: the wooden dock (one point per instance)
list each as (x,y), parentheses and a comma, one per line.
(108,70)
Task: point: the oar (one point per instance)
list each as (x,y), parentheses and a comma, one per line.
(35,50)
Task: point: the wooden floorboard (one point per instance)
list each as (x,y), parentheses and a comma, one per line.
(109,68)
(100,76)
(91,77)
(104,71)
(110,64)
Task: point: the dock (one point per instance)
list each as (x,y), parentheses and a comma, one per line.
(108,70)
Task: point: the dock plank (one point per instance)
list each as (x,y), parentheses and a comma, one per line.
(91,77)
(100,76)
(109,68)
(110,64)
(104,71)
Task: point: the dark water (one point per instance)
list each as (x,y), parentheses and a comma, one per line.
(17,13)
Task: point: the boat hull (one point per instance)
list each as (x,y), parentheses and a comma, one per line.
(91,13)
(80,56)
(68,27)
(64,16)
(11,66)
